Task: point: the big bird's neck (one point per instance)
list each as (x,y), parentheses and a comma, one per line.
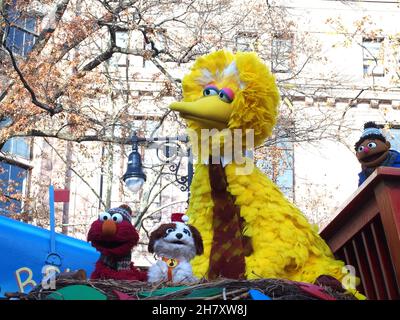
(225,147)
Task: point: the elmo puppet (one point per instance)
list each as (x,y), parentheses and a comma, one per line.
(114,236)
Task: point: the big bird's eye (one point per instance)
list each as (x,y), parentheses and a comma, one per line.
(372,145)
(360,149)
(210,91)
(226,95)
(104,216)
(116,217)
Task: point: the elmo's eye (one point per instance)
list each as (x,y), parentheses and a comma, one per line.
(210,91)
(116,217)
(104,216)
(226,95)
(372,145)
(169,230)
(360,149)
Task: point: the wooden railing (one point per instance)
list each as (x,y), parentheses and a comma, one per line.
(366,234)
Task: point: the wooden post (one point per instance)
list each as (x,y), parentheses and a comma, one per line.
(387,195)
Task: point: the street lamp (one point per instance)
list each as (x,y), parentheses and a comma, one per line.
(134,176)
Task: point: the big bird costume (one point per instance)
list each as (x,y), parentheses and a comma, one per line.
(250,230)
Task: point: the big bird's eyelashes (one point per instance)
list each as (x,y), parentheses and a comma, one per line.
(225,94)
(210,91)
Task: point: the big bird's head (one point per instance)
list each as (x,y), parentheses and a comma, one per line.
(230,91)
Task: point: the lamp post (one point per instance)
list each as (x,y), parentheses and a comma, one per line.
(134,176)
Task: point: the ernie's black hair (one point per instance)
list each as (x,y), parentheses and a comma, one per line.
(370,124)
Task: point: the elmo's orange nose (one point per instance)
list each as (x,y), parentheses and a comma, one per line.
(109,228)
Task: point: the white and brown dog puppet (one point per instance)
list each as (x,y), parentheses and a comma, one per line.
(174,244)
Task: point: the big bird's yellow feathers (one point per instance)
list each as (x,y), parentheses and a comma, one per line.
(285,245)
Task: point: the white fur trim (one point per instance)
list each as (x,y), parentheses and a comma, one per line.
(182,273)
(206,77)
(224,160)
(230,70)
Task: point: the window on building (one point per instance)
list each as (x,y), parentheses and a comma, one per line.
(20,35)
(12,184)
(373,57)
(278,164)
(284,178)
(18,147)
(281,53)
(122,39)
(5,122)
(246,41)
(15,146)
(394,138)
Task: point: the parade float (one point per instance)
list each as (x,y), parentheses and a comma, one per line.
(32,256)
(257,244)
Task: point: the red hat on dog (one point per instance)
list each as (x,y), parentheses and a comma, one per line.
(179,217)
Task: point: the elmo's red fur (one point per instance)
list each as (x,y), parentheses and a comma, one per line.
(104,272)
(114,248)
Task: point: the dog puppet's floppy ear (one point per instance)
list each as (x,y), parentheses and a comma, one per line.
(156,234)
(159,233)
(198,240)
(150,247)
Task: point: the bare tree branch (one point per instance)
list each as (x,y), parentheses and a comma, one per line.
(52,111)
(150,202)
(74,171)
(69,137)
(54,19)
(99,59)
(44,35)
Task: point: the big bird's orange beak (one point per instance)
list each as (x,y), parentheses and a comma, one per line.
(209,112)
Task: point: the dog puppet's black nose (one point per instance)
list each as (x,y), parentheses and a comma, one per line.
(179,235)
